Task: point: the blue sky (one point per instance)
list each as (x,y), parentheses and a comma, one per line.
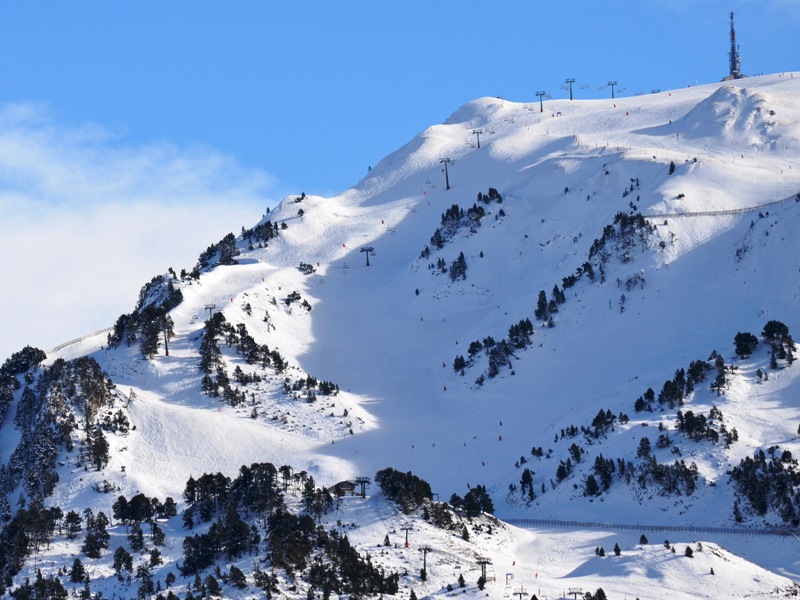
(161,126)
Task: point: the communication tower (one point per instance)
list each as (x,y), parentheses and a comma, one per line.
(735,59)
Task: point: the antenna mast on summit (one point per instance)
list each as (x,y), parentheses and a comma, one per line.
(736,60)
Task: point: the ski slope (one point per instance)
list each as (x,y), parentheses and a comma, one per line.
(387,333)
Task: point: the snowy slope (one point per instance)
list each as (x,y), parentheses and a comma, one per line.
(388,334)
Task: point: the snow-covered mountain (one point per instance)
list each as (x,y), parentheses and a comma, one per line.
(585,311)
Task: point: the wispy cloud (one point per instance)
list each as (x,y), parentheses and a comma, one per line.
(86,218)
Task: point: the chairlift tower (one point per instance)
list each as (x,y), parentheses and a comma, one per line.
(613,84)
(541,95)
(478,133)
(483,562)
(425,550)
(210,308)
(569,82)
(446,175)
(366,250)
(407,528)
(363,482)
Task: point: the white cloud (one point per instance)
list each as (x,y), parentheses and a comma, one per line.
(86,220)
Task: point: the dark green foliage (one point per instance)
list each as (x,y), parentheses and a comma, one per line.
(643,539)
(591,488)
(644,448)
(617,550)
(478,501)
(97,537)
(261,233)
(221,253)
(671,167)
(97,448)
(498,357)
(458,269)
(404,489)
(775,331)
(77,573)
(46,416)
(123,561)
(541,307)
(689,552)
(677,478)
(256,490)
(72,524)
(604,470)
(603,422)
(437,239)
(453,220)
(212,585)
(563,470)
(216,382)
(28,531)
(136,537)
(782,346)
(49,588)
(745,344)
(526,485)
(519,334)
(236,578)
(769,481)
(149,317)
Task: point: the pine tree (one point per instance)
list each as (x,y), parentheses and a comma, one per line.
(123,561)
(77,573)
(541,307)
(591,488)
(98,448)
(148,340)
(745,344)
(72,524)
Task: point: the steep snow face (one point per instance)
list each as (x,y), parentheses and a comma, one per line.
(737,115)
(656,298)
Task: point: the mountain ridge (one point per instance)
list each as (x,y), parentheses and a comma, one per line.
(643,297)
